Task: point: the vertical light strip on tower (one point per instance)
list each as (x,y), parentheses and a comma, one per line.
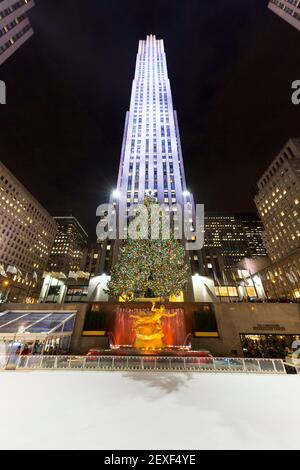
(151,157)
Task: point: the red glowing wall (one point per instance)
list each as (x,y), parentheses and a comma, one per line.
(174,328)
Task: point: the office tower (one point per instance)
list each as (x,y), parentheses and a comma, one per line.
(253,228)
(278,204)
(15,27)
(230,238)
(151,158)
(27,234)
(289,10)
(225,237)
(69,247)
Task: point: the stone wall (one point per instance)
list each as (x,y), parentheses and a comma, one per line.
(232,319)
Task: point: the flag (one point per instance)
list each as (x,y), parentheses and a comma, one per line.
(11,269)
(2,271)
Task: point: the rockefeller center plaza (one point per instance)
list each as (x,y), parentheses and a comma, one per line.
(150,262)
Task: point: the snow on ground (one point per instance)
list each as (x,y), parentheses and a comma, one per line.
(136,410)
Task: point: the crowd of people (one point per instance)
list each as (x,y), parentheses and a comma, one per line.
(37,349)
(266,346)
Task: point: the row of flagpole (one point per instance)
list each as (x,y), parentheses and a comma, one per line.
(11,269)
(71,275)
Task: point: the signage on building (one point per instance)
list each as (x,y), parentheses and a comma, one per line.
(268,327)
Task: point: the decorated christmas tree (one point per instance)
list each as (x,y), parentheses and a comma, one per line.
(149,267)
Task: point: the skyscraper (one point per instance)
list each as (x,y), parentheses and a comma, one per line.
(278,202)
(15,27)
(253,228)
(289,10)
(226,243)
(151,157)
(27,233)
(68,250)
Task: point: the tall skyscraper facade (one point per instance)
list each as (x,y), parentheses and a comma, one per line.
(289,10)
(15,27)
(27,233)
(151,157)
(278,204)
(225,238)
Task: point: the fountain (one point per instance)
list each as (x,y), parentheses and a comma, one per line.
(148,328)
(143,330)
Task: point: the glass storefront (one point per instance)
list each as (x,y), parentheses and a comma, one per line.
(35,332)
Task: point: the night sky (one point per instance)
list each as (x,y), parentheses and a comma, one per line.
(231,64)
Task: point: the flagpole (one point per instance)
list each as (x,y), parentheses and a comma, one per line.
(254,285)
(296,281)
(217,281)
(226,284)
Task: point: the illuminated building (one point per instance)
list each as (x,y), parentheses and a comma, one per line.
(289,10)
(95,263)
(151,157)
(15,27)
(227,241)
(253,228)
(278,204)
(68,251)
(27,233)
(66,280)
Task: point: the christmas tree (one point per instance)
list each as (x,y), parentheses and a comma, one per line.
(149,267)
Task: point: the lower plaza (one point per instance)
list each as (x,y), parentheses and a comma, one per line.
(189,336)
(145,301)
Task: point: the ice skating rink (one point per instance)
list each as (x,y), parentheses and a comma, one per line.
(137,410)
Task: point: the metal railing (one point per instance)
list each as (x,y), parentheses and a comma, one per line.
(144,363)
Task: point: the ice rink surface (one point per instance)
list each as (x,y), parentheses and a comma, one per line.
(137,410)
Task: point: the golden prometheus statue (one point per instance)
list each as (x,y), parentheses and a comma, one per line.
(148,328)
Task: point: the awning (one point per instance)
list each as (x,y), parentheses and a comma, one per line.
(36,325)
